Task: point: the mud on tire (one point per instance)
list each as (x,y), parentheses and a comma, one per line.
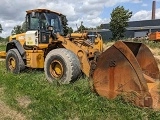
(62,65)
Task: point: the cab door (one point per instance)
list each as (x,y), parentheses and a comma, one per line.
(44,33)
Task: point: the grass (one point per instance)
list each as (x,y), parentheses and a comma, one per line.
(151,44)
(2,47)
(73,101)
(31,94)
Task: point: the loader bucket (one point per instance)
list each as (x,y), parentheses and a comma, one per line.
(128,69)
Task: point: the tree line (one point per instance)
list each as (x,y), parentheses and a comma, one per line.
(118,23)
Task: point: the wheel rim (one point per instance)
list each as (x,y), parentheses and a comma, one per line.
(12,63)
(56,69)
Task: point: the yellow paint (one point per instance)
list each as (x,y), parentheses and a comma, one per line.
(82,50)
(35,58)
(2,54)
(19,37)
(58,69)
(42,46)
(12,63)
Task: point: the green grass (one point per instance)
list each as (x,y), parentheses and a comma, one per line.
(74,101)
(2,47)
(152,44)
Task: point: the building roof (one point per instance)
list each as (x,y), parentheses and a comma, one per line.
(139,24)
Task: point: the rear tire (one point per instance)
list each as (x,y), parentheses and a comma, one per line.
(62,65)
(14,61)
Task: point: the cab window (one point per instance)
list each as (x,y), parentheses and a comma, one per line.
(43,21)
(34,23)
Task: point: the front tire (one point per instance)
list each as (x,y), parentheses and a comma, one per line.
(14,61)
(62,65)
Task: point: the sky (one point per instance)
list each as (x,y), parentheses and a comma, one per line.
(92,12)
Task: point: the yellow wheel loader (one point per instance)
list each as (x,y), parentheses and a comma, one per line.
(126,68)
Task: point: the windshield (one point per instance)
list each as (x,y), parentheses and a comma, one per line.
(54,21)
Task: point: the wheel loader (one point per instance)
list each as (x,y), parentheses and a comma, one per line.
(125,69)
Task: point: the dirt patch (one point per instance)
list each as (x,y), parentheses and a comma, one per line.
(24,101)
(2,59)
(155,51)
(157,58)
(107,45)
(6,113)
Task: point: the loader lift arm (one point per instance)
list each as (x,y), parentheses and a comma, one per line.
(83,55)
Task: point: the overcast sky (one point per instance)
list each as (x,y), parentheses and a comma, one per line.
(91,12)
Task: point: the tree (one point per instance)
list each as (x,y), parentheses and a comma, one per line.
(1,29)
(70,30)
(118,23)
(24,29)
(99,27)
(17,30)
(81,28)
(64,24)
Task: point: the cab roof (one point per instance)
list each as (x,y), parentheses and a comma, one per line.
(42,10)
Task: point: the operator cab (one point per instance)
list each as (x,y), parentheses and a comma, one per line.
(42,24)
